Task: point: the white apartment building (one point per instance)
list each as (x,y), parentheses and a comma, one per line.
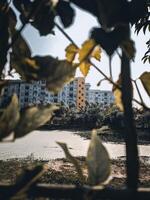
(74,94)
(103,97)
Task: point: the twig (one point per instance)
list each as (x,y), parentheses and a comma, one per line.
(139,93)
(65,34)
(110,68)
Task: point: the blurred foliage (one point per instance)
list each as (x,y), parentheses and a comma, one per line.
(97,161)
(113,32)
(145,78)
(17,54)
(20,123)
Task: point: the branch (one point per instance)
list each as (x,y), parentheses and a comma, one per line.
(62,191)
(110,68)
(101,72)
(132,161)
(139,93)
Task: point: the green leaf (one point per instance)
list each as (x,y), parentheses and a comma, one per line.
(44,20)
(145,79)
(9,118)
(115,12)
(20,54)
(65,12)
(128,47)
(55,72)
(73,160)
(110,41)
(32,118)
(98,161)
(60,74)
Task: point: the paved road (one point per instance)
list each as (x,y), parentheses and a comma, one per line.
(42,145)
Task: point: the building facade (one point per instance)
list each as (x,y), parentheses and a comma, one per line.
(74,94)
(103,97)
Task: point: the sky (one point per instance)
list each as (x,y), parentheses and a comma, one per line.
(79,32)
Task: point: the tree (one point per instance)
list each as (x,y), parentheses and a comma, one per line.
(115,18)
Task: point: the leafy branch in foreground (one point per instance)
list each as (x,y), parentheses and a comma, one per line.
(72,50)
(97,160)
(22,123)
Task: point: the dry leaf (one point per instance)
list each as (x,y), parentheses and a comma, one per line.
(118,98)
(84,68)
(98,161)
(71,52)
(145,79)
(87,49)
(96,53)
(32,118)
(9,118)
(129,48)
(118,95)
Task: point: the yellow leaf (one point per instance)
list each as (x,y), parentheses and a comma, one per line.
(85,67)
(9,118)
(118,98)
(71,52)
(118,95)
(96,53)
(87,49)
(145,79)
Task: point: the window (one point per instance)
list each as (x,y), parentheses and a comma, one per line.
(71,95)
(26,87)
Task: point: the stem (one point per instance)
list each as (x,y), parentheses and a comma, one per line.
(105,76)
(66,35)
(139,93)
(132,162)
(110,68)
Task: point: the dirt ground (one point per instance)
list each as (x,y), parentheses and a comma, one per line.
(60,171)
(116,136)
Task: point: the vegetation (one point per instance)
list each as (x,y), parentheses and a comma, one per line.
(95,116)
(115,19)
